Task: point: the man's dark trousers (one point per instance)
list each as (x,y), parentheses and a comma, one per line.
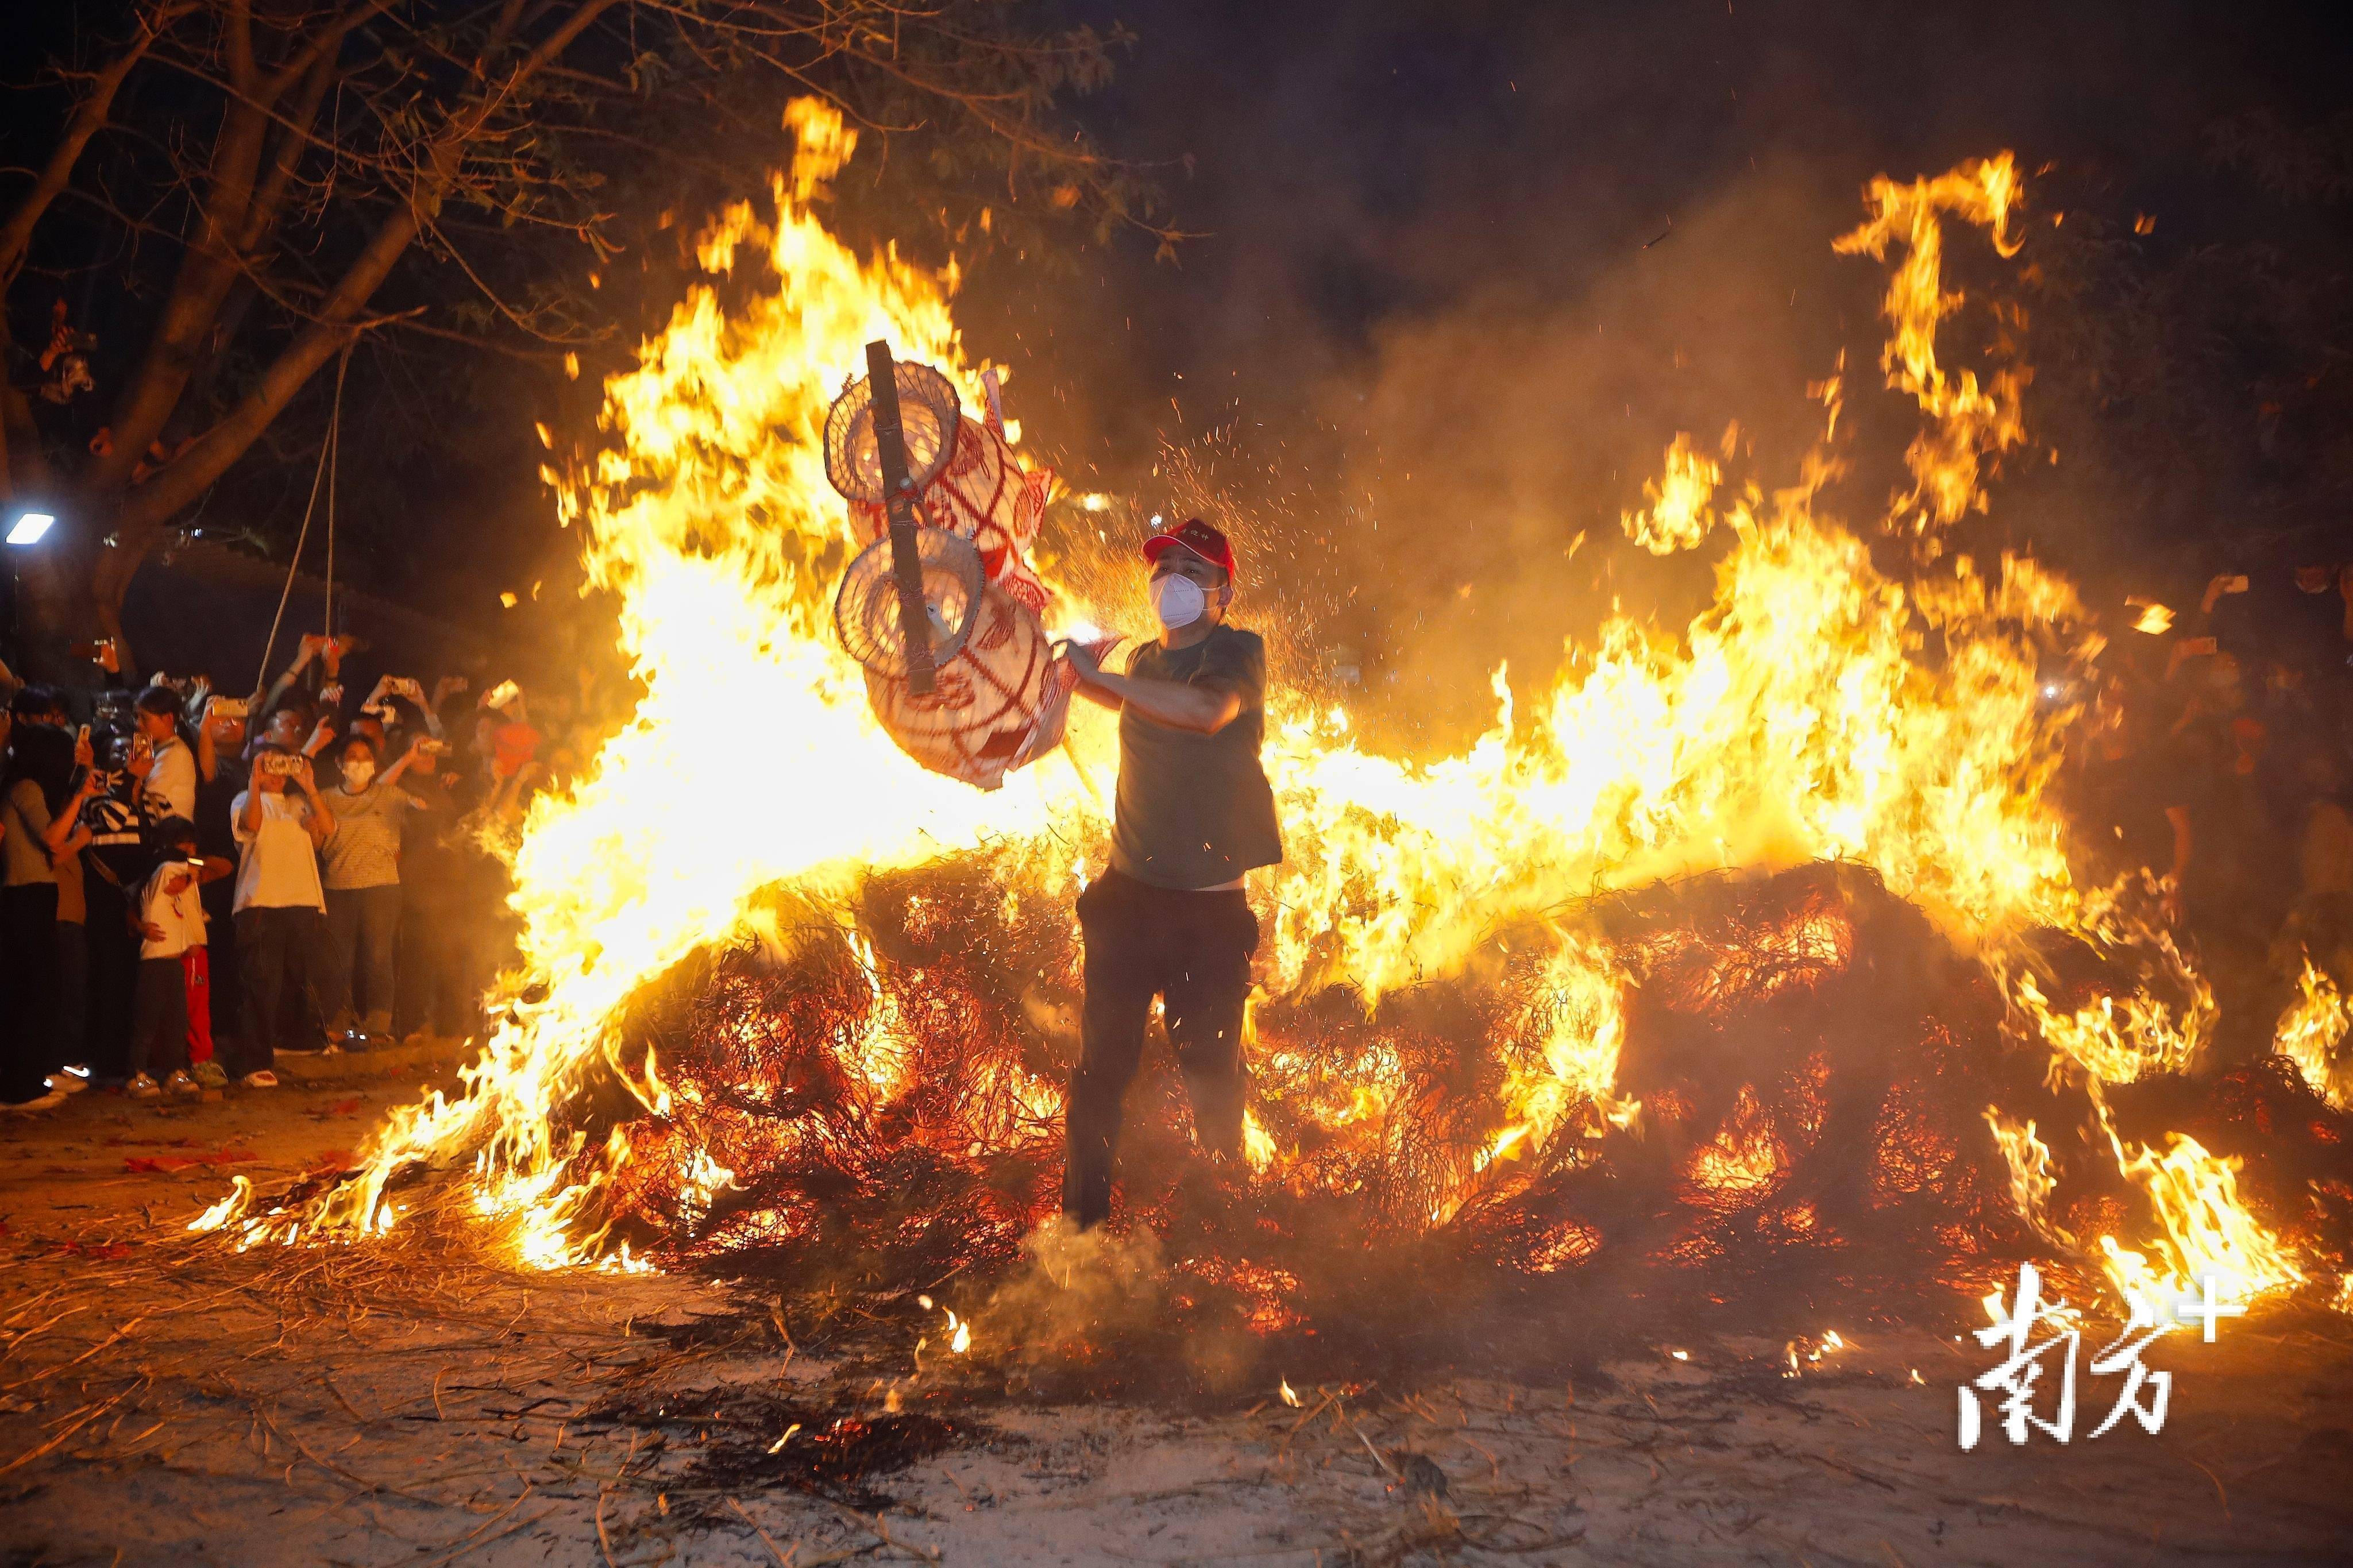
(1191,948)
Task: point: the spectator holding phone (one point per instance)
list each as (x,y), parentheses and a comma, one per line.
(163,762)
(508,747)
(278,821)
(361,860)
(107,654)
(220,739)
(319,657)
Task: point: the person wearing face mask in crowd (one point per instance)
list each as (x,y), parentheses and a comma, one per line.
(362,865)
(1170,916)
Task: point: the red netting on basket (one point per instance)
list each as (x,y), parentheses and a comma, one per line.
(1000,689)
(986,496)
(1002,695)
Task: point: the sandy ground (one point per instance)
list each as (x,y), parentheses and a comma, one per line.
(171,1402)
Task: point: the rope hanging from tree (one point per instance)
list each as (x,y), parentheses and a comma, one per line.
(324,475)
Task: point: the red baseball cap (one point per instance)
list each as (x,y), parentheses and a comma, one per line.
(1196,536)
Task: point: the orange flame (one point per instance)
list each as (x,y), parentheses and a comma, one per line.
(2312,1034)
(1967,421)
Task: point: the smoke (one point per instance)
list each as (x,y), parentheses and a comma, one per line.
(1073,1288)
(1073,1282)
(1502,438)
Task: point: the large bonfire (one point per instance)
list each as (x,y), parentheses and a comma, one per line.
(1773,922)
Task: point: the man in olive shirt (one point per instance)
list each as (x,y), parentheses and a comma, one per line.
(1170,916)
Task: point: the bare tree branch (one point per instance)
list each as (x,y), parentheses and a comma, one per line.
(148,506)
(343,138)
(88,115)
(213,261)
(239,37)
(293,139)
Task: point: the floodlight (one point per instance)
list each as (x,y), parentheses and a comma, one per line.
(29,526)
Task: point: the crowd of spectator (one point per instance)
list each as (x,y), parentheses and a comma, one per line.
(198,885)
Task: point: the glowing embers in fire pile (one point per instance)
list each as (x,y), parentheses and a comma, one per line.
(1749,955)
(1804,1046)
(1745,1160)
(1263,1294)
(887,1085)
(894,1085)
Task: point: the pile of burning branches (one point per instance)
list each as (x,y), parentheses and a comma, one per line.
(1803,1087)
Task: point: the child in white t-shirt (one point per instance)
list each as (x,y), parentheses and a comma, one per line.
(171,921)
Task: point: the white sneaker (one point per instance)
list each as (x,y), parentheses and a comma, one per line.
(144,1088)
(71,1079)
(265,1079)
(48,1101)
(179,1083)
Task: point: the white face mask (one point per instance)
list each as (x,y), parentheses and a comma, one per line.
(1178,601)
(356,775)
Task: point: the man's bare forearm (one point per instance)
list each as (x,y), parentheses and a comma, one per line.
(1202,711)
